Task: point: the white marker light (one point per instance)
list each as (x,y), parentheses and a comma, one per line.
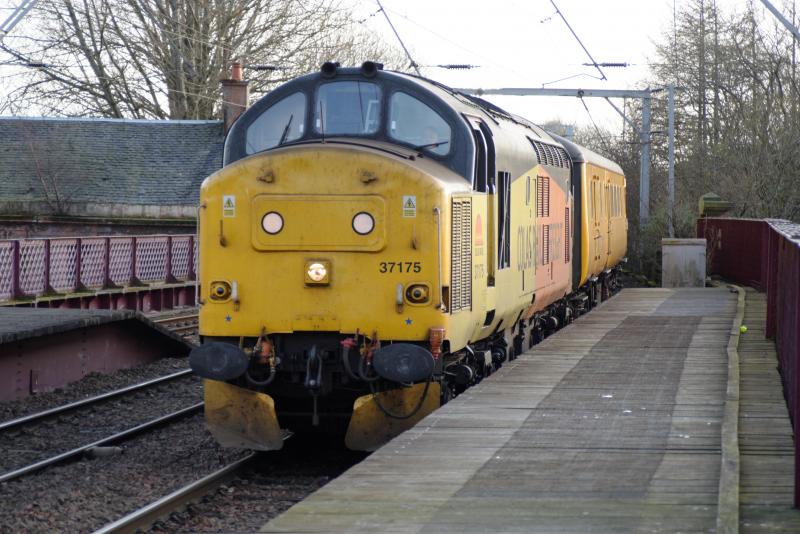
(272,223)
(363,223)
(317,272)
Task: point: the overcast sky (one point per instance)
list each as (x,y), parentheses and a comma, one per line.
(524,43)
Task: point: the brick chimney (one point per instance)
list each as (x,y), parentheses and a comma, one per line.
(235,93)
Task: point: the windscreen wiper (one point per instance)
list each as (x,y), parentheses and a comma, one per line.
(431,145)
(285,133)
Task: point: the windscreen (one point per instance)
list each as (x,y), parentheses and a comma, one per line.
(416,123)
(347,107)
(282,122)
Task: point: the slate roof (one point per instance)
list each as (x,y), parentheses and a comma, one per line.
(114,161)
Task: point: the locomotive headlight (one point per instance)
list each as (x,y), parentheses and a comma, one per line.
(318,272)
(272,222)
(220,290)
(363,223)
(418,293)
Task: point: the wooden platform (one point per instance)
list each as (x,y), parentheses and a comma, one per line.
(765,433)
(611,425)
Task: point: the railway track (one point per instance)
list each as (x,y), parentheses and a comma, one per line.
(98,421)
(118,437)
(185,325)
(39,416)
(244,494)
(144,518)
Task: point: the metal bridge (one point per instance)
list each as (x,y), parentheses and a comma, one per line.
(144,273)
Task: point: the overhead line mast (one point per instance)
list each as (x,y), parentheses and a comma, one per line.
(644,134)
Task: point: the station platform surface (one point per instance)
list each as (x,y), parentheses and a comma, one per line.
(17,324)
(610,425)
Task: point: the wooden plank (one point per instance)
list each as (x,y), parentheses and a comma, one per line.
(765,433)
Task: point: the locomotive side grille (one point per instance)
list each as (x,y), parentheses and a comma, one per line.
(545,244)
(543,196)
(461,257)
(566,235)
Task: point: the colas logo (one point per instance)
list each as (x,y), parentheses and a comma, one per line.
(477,239)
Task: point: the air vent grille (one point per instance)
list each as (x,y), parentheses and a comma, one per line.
(566,235)
(461,257)
(542,196)
(545,244)
(554,156)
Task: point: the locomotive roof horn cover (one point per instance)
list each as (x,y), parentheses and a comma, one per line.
(329,68)
(370,68)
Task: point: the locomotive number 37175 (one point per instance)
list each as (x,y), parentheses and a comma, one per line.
(400,267)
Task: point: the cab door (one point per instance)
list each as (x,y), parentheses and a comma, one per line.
(483,181)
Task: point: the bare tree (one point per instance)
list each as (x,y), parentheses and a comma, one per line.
(736,117)
(164,58)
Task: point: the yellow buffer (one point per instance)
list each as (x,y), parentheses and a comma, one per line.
(241,418)
(370,427)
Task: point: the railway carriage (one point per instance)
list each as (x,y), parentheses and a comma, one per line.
(376,242)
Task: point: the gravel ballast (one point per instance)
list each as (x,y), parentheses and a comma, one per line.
(87,494)
(89,386)
(277,481)
(37,441)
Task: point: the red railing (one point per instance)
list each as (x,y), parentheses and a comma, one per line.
(765,254)
(31,268)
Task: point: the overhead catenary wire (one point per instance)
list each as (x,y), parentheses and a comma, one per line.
(408,54)
(609,64)
(488,59)
(597,128)
(571,77)
(15,17)
(365,19)
(594,62)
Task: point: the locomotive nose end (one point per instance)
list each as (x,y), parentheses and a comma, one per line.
(218,361)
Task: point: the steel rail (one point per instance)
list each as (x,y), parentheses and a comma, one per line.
(144,517)
(182,330)
(177,318)
(5,425)
(71,454)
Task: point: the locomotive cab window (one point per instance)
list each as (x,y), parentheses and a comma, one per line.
(284,121)
(347,108)
(411,121)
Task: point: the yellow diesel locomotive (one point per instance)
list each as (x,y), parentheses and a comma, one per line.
(377,242)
